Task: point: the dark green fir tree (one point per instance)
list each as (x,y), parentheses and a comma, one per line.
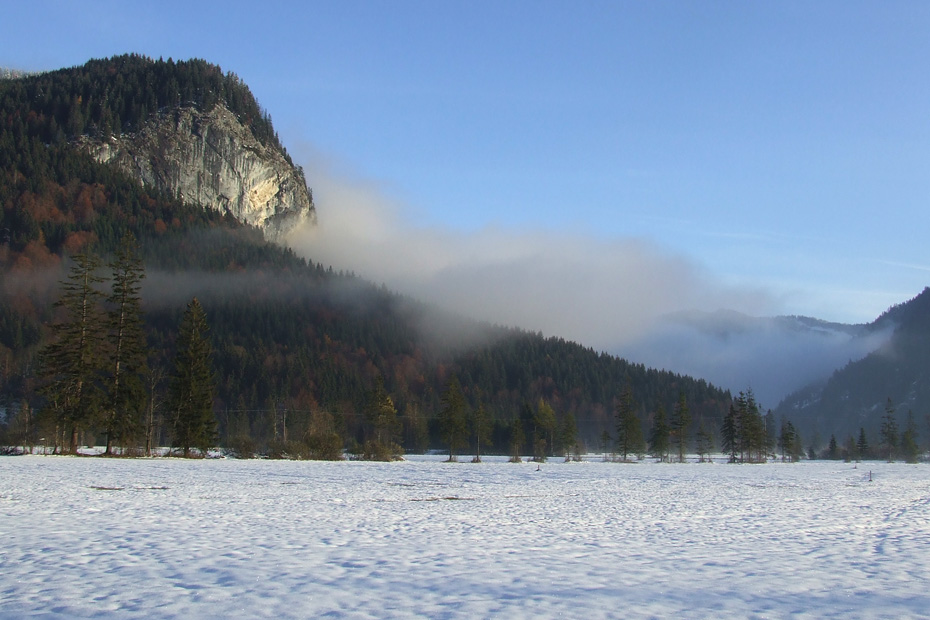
(128,350)
(190,398)
(72,363)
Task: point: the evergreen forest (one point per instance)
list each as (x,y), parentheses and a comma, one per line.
(304,360)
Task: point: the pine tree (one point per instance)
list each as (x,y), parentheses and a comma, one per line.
(796,450)
(452,417)
(889,431)
(789,441)
(704,441)
(190,399)
(659,435)
(481,429)
(568,436)
(128,348)
(382,415)
(729,433)
(629,429)
(909,447)
(751,428)
(771,433)
(71,365)
(681,423)
(544,421)
(850,451)
(833,450)
(605,443)
(862,445)
(516,440)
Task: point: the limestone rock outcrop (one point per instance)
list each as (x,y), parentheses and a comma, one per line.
(212,159)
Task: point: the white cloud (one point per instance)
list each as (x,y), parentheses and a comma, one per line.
(602,293)
(615,295)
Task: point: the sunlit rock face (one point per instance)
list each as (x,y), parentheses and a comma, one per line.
(212,159)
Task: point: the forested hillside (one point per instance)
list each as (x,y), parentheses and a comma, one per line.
(891,383)
(301,350)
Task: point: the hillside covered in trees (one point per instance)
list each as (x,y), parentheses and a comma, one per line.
(891,385)
(302,353)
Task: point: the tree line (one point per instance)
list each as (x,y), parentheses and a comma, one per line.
(93,372)
(298,347)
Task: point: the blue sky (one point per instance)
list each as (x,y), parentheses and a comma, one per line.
(770,157)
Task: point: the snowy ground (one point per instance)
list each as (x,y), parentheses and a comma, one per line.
(168,538)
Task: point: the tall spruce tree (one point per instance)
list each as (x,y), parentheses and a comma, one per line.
(453,417)
(659,435)
(629,428)
(568,436)
(516,440)
(71,364)
(680,426)
(128,350)
(381,413)
(703,441)
(480,429)
(862,445)
(889,432)
(729,433)
(544,427)
(750,428)
(190,399)
(910,449)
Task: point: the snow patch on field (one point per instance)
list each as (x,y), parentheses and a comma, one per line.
(168,538)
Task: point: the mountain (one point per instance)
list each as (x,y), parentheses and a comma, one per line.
(774,356)
(181,155)
(856,395)
(212,159)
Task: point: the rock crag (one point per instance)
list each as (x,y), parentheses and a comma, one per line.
(212,159)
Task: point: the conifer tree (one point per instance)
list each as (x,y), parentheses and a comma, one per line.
(568,436)
(889,431)
(481,429)
(605,443)
(862,444)
(659,435)
(704,441)
(128,349)
(629,429)
(381,413)
(850,450)
(190,399)
(452,417)
(771,433)
(787,440)
(909,447)
(71,364)
(681,422)
(544,421)
(516,440)
(729,433)
(751,435)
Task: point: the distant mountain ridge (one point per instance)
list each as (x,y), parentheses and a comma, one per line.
(773,356)
(855,395)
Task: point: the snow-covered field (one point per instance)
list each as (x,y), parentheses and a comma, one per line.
(168,538)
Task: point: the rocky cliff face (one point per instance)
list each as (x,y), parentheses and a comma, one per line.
(212,159)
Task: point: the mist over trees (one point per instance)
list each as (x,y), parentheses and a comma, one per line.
(303,360)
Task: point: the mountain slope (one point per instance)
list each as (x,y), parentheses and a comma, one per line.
(773,355)
(297,344)
(856,395)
